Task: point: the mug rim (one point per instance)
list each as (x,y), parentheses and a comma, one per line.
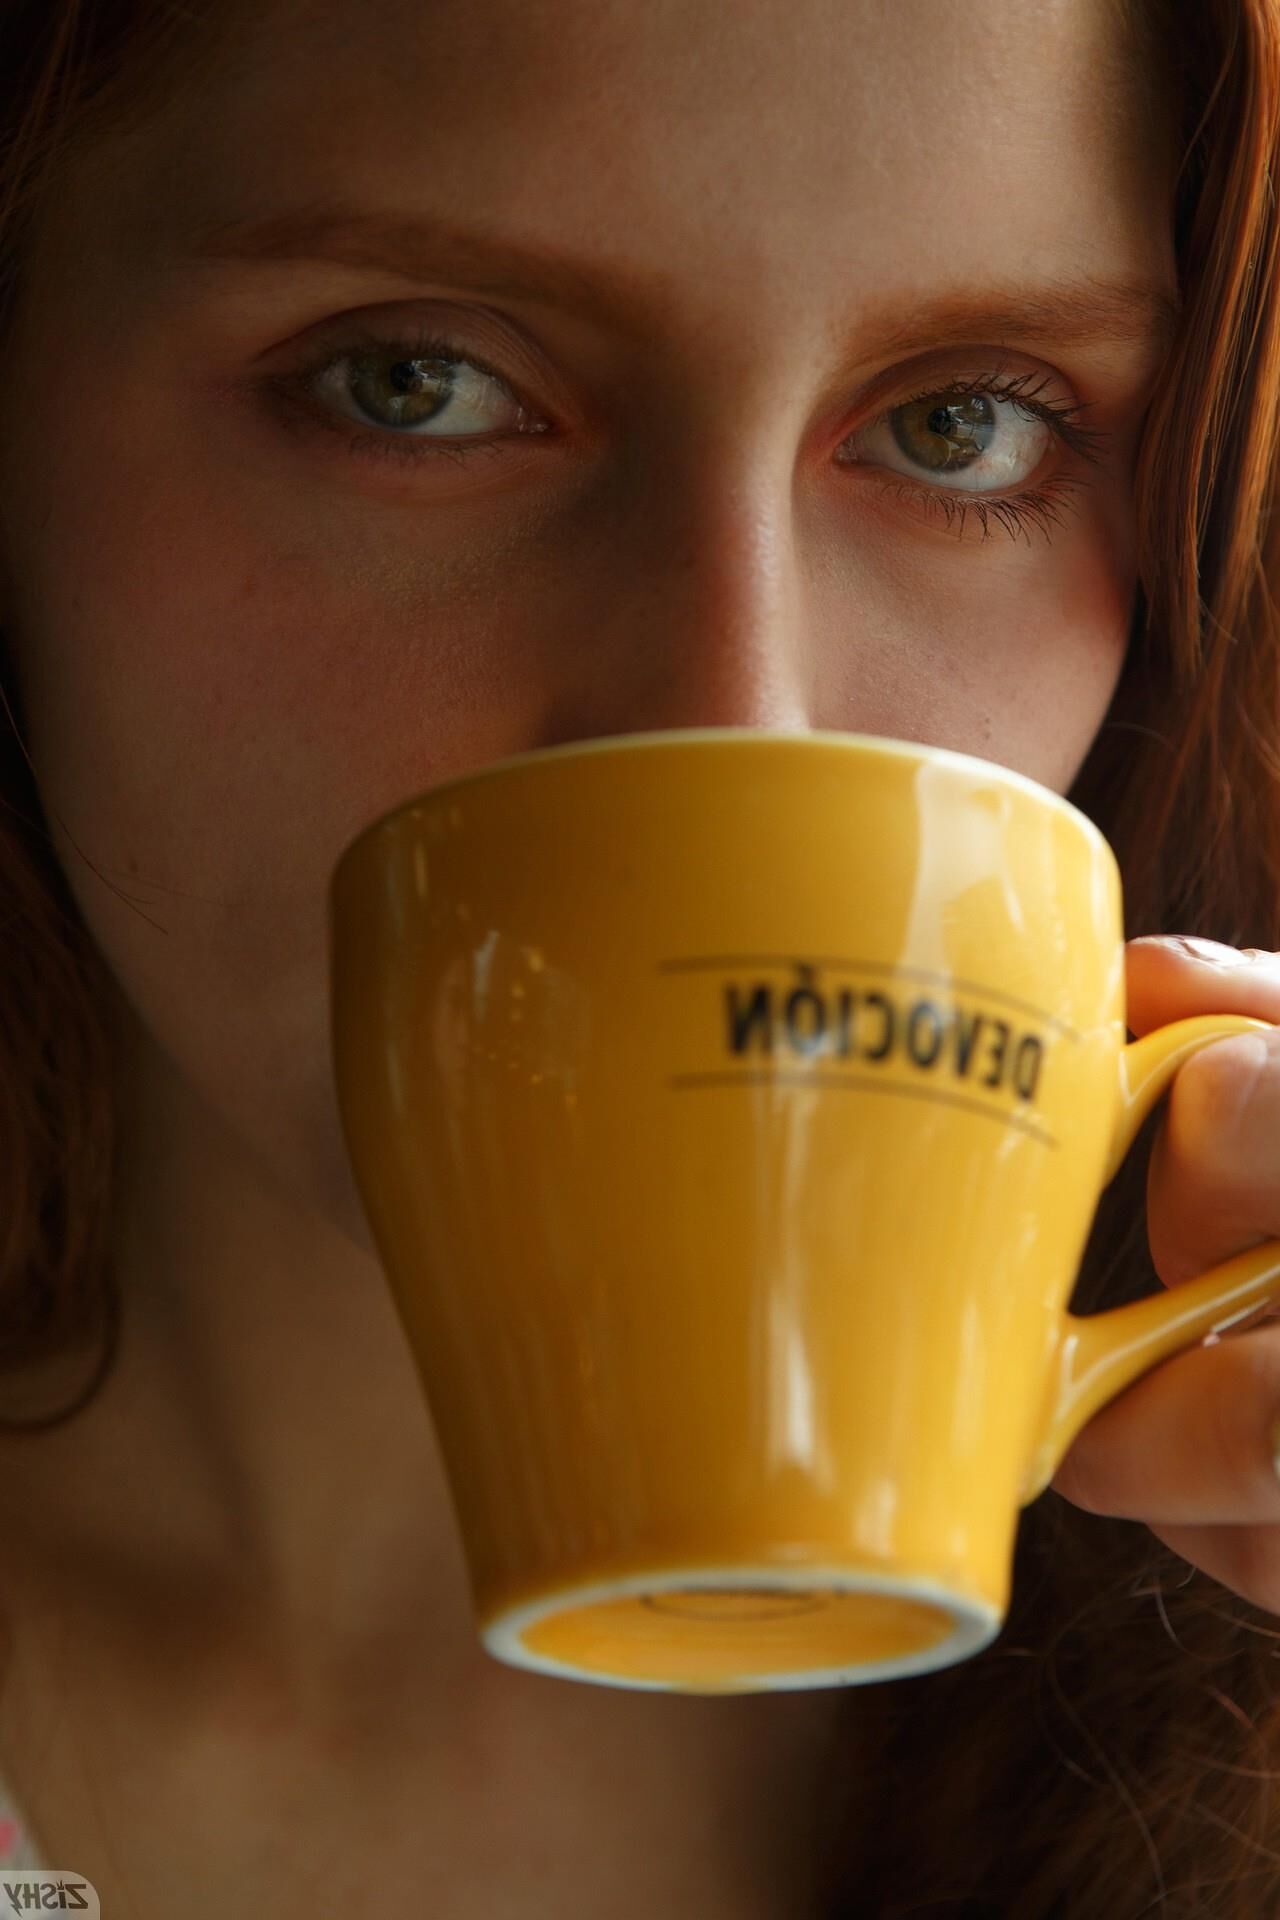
(877,745)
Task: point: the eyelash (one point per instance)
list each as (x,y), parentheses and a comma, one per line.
(1035,505)
(1038,506)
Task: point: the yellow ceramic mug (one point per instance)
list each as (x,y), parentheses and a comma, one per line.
(730,1110)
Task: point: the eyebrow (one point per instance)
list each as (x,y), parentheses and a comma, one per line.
(1074,312)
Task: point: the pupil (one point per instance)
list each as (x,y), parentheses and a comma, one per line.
(404,376)
(939,420)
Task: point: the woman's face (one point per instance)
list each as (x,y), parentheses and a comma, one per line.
(432,383)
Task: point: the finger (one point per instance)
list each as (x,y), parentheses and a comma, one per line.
(1167,980)
(1189,1444)
(1213,1178)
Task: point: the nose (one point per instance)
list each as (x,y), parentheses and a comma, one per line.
(697,604)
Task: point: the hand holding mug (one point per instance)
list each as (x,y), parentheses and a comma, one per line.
(1189,1448)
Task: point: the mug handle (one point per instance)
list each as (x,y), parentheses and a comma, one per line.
(1095,1356)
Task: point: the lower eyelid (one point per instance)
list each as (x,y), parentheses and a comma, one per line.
(390,446)
(1039,506)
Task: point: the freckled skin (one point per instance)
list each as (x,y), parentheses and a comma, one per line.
(237,642)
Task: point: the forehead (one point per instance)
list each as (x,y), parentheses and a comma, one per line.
(768,145)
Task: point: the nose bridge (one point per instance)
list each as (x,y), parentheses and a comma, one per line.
(700,608)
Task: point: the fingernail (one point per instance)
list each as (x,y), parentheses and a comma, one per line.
(1212,952)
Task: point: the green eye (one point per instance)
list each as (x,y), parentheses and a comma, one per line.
(415,390)
(945,434)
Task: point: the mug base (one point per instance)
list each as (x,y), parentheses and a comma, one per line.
(743,1629)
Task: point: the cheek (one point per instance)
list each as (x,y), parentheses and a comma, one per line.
(1067,648)
(1077,636)
(220,693)
(1006,650)
(207,741)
